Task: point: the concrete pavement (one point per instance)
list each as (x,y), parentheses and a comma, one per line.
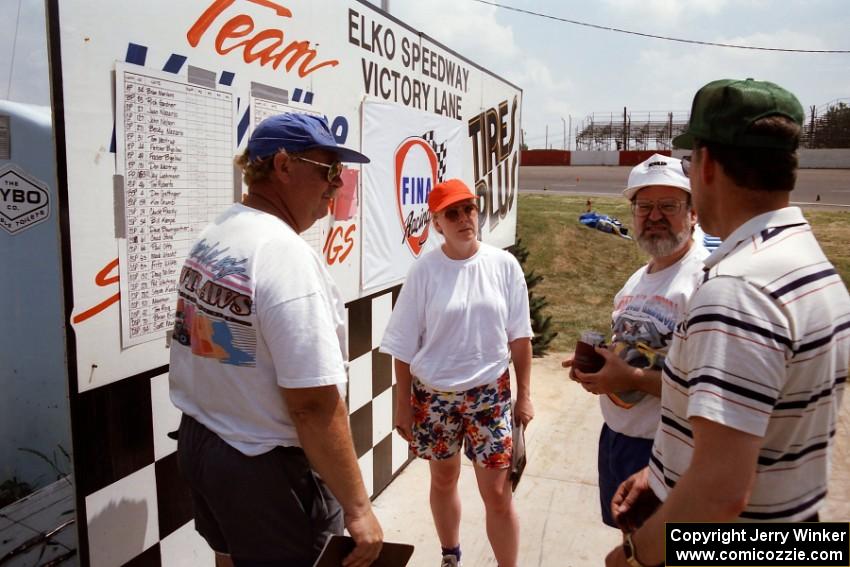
(557,499)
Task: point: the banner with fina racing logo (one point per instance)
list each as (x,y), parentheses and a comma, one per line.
(411,151)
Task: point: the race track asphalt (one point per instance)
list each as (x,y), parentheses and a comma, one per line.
(831,185)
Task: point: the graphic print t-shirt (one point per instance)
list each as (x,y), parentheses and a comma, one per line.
(645,315)
(256,311)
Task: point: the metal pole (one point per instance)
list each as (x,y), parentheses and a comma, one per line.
(812,128)
(570,139)
(564,122)
(670,121)
(546,144)
(625,131)
(385,6)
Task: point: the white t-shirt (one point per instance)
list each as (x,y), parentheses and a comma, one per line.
(256,311)
(646,311)
(454,319)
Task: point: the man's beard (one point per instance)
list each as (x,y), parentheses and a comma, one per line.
(661,245)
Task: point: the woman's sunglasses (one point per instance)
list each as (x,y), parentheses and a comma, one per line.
(453,214)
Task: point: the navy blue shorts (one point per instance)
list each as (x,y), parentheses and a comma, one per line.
(269,510)
(620,456)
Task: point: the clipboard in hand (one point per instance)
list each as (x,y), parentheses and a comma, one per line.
(338,547)
(518,457)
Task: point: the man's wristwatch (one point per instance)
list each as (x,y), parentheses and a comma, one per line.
(630,551)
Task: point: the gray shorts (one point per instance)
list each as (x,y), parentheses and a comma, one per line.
(266,510)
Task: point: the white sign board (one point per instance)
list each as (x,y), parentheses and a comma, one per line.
(157,103)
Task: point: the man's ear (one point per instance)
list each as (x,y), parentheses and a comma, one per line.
(282,162)
(707,167)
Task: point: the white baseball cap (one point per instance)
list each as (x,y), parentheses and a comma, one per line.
(657,170)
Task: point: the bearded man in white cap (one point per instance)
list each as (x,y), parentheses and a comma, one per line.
(646,311)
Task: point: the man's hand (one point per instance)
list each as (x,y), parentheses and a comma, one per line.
(404,418)
(321,419)
(615,376)
(568,363)
(367,534)
(616,558)
(634,501)
(524,410)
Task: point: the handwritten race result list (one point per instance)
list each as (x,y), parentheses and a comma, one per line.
(175,147)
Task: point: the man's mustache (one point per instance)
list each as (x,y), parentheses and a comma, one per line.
(664,223)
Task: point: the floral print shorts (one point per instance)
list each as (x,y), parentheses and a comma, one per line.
(480,418)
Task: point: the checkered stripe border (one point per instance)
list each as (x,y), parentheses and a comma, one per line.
(441,151)
(137,508)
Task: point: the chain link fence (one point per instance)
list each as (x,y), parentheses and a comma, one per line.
(645,130)
(826,126)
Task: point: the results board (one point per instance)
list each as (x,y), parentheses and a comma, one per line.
(158,97)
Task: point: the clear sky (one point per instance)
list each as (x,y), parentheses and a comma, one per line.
(568,71)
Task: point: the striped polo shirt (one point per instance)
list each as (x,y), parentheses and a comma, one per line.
(764,348)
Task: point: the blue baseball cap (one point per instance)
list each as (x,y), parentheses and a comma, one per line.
(295,132)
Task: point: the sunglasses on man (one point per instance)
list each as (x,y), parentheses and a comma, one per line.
(334,169)
(453,214)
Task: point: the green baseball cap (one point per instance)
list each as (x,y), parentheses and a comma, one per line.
(723,111)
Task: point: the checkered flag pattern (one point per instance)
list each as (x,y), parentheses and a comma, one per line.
(441,151)
(137,508)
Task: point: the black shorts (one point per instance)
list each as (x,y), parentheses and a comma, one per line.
(267,510)
(620,456)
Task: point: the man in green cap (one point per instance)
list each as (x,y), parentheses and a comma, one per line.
(752,384)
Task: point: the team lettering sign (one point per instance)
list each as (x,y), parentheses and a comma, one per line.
(270,46)
(416,166)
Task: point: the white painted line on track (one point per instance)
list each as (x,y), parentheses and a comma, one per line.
(597,194)
(818,204)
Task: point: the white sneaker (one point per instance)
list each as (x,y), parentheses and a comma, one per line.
(450,560)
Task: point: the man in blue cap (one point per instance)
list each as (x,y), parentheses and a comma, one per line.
(258,365)
(752,385)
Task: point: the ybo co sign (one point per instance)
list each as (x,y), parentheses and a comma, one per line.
(415,175)
(24,201)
